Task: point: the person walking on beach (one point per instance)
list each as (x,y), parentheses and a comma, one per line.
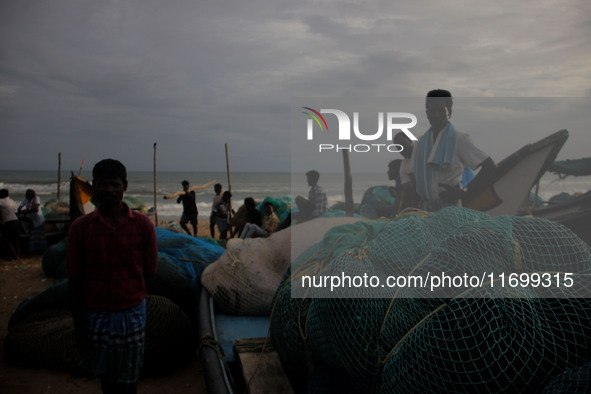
(212,217)
(30,207)
(222,212)
(9,223)
(190,210)
(441,156)
(109,253)
(269,225)
(316,204)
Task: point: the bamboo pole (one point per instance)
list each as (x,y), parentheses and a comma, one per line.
(155,197)
(348,184)
(228,169)
(230,190)
(59,174)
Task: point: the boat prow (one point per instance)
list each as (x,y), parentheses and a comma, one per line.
(507,191)
(80,197)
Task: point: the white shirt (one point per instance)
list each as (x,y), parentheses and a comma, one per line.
(7,210)
(465,154)
(404,170)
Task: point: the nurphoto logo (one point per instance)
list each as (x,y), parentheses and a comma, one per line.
(391,119)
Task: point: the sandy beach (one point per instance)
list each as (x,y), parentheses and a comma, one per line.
(23,278)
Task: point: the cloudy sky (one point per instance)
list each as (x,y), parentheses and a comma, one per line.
(96,79)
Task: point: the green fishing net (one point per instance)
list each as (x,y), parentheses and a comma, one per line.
(476,338)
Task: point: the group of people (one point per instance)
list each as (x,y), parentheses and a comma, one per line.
(29,211)
(431,174)
(112,250)
(221,211)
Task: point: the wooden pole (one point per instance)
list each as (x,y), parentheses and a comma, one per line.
(348,184)
(228,169)
(59,174)
(230,190)
(155,196)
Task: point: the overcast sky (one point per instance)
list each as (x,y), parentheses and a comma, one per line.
(96,79)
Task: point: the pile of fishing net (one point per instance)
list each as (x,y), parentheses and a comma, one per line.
(465,339)
(41,331)
(377,200)
(183,249)
(46,338)
(55,209)
(243,281)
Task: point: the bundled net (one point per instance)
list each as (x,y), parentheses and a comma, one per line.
(575,380)
(467,339)
(46,338)
(375,200)
(53,262)
(244,279)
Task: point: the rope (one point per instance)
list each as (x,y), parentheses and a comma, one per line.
(209,341)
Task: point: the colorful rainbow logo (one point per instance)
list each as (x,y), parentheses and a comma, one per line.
(316,117)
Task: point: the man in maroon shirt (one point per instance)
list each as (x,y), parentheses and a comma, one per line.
(109,253)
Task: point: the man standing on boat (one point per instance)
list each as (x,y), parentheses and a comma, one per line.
(109,253)
(441,156)
(190,211)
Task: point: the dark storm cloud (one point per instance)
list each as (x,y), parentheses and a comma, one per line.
(110,78)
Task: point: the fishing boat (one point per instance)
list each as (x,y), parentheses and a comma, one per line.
(60,214)
(574,211)
(507,191)
(223,370)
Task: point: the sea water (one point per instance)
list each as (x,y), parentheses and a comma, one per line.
(256,185)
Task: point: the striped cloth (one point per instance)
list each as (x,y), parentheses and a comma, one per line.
(118,342)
